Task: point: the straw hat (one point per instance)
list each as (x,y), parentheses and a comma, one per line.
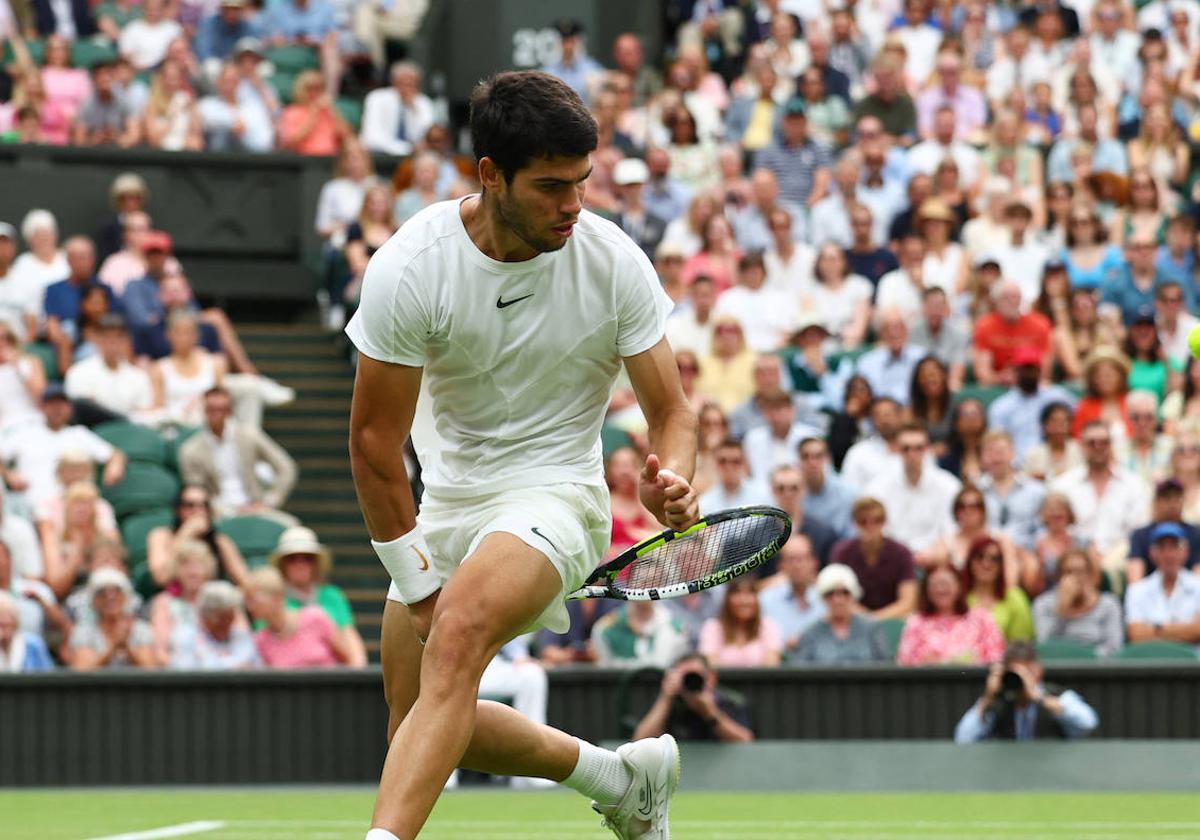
(301,540)
(1105,354)
(936,210)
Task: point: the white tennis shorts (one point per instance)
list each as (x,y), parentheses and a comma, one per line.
(569,523)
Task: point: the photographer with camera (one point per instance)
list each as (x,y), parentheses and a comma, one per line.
(692,707)
(1017,706)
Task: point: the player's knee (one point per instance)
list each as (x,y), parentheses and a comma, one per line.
(458,643)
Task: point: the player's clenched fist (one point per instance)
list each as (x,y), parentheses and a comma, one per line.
(667,495)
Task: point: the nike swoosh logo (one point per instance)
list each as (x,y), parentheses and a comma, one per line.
(645,800)
(424,560)
(501,302)
(543,536)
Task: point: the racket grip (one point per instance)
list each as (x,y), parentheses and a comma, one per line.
(589,592)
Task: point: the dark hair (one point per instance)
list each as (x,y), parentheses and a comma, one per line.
(978,547)
(1053,407)
(528,114)
(1153,354)
(956,445)
(725,616)
(919,401)
(925,606)
(217,391)
(209,538)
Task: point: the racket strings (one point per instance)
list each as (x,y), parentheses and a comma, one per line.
(718,546)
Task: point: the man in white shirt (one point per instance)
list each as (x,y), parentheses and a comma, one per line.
(789,263)
(1114,48)
(734,487)
(903,288)
(1023,258)
(767,316)
(919,497)
(776,442)
(1166,605)
(1108,502)
(108,379)
(22,540)
(20,300)
(877,454)
(691,327)
(925,156)
(144,41)
(396,118)
(1174,321)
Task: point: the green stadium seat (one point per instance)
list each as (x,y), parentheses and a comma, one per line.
(1157,650)
(85,53)
(986,394)
(37,52)
(137,527)
(145,487)
(139,443)
(1059,650)
(613,438)
(49,359)
(255,536)
(143,582)
(283,84)
(292,58)
(174,445)
(892,628)
(351,110)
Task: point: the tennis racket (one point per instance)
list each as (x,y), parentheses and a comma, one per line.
(715,550)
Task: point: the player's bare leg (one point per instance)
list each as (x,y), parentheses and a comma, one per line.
(472,620)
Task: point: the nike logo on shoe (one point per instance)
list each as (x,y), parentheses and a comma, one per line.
(645,807)
(501,302)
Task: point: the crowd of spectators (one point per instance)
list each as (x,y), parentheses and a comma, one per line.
(933,268)
(130,437)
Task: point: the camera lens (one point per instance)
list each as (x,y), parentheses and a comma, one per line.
(693,683)
(1011,686)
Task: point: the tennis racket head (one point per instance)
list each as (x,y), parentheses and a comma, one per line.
(717,549)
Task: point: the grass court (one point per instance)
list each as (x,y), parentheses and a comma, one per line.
(342,814)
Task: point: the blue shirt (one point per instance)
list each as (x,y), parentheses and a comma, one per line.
(285,18)
(1017,514)
(1020,414)
(889,375)
(667,198)
(215,39)
(1077,719)
(142,307)
(1181,272)
(794,618)
(832,503)
(1111,264)
(1125,295)
(62,298)
(794,167)
(576,73)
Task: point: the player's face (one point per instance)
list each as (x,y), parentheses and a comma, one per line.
(543,202)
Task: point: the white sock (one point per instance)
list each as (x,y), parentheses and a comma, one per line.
(600,775)
(380,834)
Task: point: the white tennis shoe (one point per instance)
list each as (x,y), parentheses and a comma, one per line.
(643,813)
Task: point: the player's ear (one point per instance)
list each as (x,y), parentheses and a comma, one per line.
(490,175)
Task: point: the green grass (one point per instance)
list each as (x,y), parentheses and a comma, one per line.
(323,814)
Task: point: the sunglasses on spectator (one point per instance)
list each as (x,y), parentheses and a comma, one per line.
(192,503)
(1097,442)
(786,488)
(969,506)
(989,557)
(1171,298)
(730,461)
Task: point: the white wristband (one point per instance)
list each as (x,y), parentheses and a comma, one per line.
(407,560)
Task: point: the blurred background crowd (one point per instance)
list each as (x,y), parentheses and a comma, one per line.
(933,266)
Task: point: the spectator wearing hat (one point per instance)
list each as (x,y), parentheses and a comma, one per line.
(809,363)
(35,449)
(1000,333)
(574,65)
(643,227)
(763,312)
(1022,258)
(19,301)
(1165,605)
(1108,501)
(218,33)
(1125,293)
(20,651)
(1167,507)
(117,638)
(293,637)
(109,379)
(945,262)
(843,635)
(127,194)
(1019,410)
(1106,382)
(224,458)
(799,164)
(253,89)
(220,640)
(395,118)
(305,565)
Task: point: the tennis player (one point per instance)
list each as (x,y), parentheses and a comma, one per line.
(500,322)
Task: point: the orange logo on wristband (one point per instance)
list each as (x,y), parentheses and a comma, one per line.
(424,561)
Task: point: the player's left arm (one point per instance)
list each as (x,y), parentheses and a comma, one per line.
(666,488)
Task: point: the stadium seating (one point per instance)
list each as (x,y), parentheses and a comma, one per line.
(255,536)
(139,443)
(892,629)
(1157,650)
(136,527)
(145,487)
(1059,650)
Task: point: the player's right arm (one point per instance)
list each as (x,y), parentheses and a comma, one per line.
(381,416)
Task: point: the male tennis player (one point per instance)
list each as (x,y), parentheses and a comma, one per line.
(512,312)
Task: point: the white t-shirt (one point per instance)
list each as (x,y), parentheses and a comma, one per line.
(126,390)
(36,450)
(34,276)
(768,317)
(519,357)
(145,44)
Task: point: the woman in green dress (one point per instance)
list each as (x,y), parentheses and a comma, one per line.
(983,579)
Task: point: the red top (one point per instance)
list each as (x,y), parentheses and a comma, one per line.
(322,140)
(1092,408)
(1001,338)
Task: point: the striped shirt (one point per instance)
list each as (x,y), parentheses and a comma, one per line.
(794,167)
